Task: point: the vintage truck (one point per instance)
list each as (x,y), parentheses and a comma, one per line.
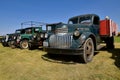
(25,40)
(4,40)
(8,39)
(82,36)
(37,39)
(14,40)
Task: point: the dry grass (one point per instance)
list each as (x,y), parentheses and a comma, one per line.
(17,64)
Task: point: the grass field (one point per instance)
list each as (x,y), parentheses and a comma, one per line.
(117,39)
(17,64)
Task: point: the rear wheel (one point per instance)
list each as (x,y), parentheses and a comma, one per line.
(110,43)
(88,51)
(24,44)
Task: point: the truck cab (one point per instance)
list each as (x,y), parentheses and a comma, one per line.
(79,37)
(29,32)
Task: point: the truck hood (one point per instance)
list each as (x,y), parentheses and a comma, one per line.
(68,28)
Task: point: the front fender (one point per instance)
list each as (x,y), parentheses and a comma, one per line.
(84,36)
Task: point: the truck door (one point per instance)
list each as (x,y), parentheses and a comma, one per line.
(96,25)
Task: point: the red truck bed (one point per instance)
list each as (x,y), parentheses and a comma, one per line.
(108,28)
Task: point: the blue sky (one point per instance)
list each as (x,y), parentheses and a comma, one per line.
(14,12)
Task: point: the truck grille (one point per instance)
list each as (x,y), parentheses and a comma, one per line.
(61,41)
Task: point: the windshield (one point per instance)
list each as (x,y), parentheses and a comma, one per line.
(80,20)
(50,28)
(36,30)
(85,20)
(28,31)
(73,21)
(18,31)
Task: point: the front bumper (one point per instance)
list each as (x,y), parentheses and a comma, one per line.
(36,43)
(63,51)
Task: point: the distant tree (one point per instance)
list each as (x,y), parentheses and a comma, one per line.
(118,33)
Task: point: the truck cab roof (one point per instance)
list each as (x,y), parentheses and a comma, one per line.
(84,19)
(85,15)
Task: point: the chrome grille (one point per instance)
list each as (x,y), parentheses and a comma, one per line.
(61,41)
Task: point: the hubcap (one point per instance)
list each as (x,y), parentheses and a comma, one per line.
(25,44)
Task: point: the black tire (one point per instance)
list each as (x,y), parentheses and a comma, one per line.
(110,43)
(24,44)
(30,46)
(88,51)
(9,43)
(5,44)
(12,45)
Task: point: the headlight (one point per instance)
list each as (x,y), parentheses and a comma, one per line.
(19,37)
(14,37)
(42,35)
(34,36)
(76,33)
(46,35)
(6,38)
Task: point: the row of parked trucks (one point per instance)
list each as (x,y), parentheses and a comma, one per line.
(81,36)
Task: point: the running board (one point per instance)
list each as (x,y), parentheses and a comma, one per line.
(100,46)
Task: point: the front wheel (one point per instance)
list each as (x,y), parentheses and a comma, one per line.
(88,51)
(12,44)
(24,44)
(5,44)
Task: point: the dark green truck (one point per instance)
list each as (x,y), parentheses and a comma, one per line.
(80,37)
(37,39)
(14,40)
(23,39)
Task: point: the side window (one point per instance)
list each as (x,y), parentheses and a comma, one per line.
(73,21)
(96,20)
(49,28)
(36,30)
(28,31)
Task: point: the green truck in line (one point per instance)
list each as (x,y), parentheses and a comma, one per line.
(26,39)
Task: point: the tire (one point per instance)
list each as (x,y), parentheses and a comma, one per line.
(4,44)
(24,44)
(110,43)
(31,47)
(12,45)
(88,51)
(9,43)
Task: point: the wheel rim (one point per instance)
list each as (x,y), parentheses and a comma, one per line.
(88,50)
(24,44)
